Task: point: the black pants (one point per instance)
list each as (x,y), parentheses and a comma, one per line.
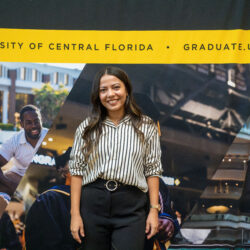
(113,219)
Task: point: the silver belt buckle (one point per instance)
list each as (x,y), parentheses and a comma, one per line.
(111,185)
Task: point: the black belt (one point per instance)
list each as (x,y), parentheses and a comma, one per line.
(110,185)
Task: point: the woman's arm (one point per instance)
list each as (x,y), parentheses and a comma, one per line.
(76,223)
(152,220)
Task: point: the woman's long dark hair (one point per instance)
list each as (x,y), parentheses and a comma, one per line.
(99,112)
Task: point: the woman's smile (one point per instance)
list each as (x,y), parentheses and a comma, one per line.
(112,94)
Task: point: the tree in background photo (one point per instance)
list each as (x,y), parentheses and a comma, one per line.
(49,101)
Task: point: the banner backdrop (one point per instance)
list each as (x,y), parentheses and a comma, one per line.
(125,46)
(188,61)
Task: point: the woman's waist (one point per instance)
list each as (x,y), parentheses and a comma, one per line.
(113,184)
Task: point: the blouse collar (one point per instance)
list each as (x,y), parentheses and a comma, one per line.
(107,121)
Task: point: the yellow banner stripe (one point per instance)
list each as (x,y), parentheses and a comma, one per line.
(69,46)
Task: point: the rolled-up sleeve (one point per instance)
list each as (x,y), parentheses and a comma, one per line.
(77,161)
(152,159)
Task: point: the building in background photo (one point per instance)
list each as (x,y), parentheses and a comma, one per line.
(18,79)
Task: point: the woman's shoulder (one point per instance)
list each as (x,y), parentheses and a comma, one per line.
(148,126)
(84,124)
(147,120)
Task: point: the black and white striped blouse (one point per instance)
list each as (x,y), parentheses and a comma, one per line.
(120,154)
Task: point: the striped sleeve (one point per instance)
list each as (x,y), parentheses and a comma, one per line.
(152,159)
(77,162)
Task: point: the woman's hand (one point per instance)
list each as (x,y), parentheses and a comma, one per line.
(152,223)
(76,227)
(76,224)
(152,220)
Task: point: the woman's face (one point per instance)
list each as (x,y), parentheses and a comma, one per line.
(112,94)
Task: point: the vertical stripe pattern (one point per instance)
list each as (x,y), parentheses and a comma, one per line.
(120,153)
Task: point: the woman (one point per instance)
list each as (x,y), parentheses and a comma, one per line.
(115,160)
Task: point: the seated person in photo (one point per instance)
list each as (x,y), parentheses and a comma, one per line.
(48,220)
(22,146)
